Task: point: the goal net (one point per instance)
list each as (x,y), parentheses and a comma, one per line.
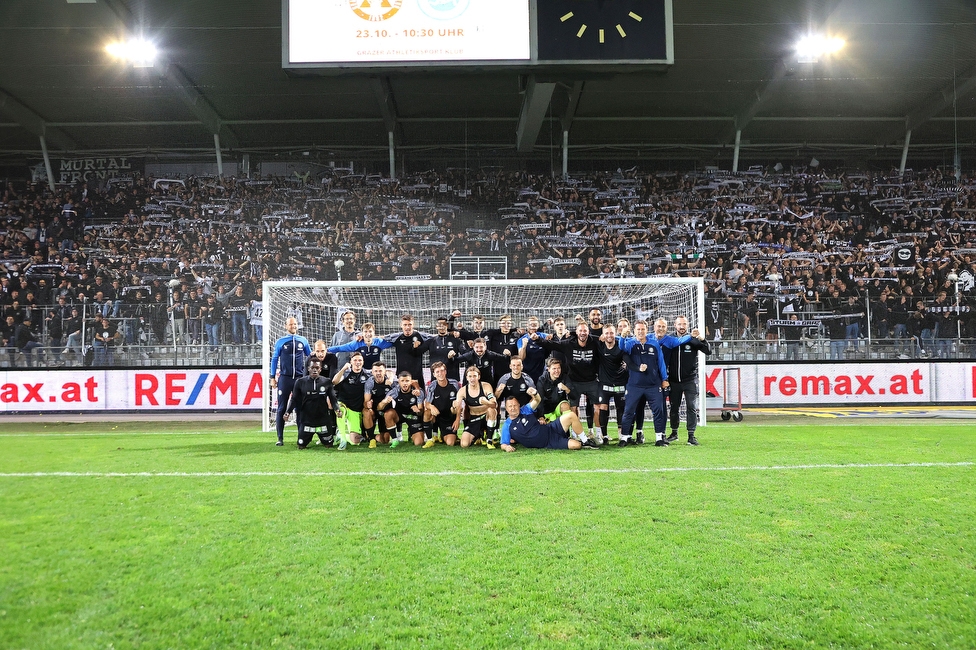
(318,308)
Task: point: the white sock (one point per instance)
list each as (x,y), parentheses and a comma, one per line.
(660,435)
(491,424)
(597,432)
(583,437)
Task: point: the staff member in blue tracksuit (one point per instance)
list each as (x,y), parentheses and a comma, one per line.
(648,378)
(290,351)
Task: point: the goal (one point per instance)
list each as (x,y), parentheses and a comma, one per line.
(318,307)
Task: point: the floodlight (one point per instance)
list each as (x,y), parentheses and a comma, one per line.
(811,47)
(137,51)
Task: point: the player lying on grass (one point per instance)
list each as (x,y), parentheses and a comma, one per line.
(315,404)
(523,427)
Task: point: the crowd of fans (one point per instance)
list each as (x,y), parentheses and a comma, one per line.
(146,260)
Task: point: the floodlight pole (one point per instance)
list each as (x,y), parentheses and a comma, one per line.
(565,155)
(904,152)
(735,152)
(220,158)
(47,164)
(392,156)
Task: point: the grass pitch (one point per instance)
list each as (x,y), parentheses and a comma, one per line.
(130,535)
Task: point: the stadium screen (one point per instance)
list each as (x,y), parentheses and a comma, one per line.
(398,31)
(336,35)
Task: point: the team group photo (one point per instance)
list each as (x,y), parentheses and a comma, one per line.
(545,381)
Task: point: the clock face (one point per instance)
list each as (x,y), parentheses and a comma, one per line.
(602,30)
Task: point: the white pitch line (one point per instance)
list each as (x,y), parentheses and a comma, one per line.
(520,472)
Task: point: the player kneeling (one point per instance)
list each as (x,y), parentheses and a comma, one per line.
(315,403)
(350,383)
(441,395)
(476,407)
(375,391)
(404,404)
(523,427)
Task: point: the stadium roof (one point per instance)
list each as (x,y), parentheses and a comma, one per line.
(907,64)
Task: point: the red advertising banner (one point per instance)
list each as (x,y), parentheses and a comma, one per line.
(123,390)
(850,384)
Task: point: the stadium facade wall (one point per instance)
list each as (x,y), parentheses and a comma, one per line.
(241,389)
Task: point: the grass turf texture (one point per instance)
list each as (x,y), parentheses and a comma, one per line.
(757,556)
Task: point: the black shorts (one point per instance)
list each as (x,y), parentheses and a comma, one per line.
(589,388)
(476,426)
(444,425)
(413,421)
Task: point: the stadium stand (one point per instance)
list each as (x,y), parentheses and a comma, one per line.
(871,265)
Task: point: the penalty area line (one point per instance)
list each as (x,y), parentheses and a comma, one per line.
(520,472)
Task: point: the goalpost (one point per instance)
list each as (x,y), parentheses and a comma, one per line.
(318,307)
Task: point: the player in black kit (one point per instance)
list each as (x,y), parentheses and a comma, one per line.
(476,407)
(584,363)
(408,345)
(314,401)
(503,340)
(515,383)
(612,376)
(404,404)
(484,360)
(441,394)
(553,390)
(350,387)
(445,347)
(375,390)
